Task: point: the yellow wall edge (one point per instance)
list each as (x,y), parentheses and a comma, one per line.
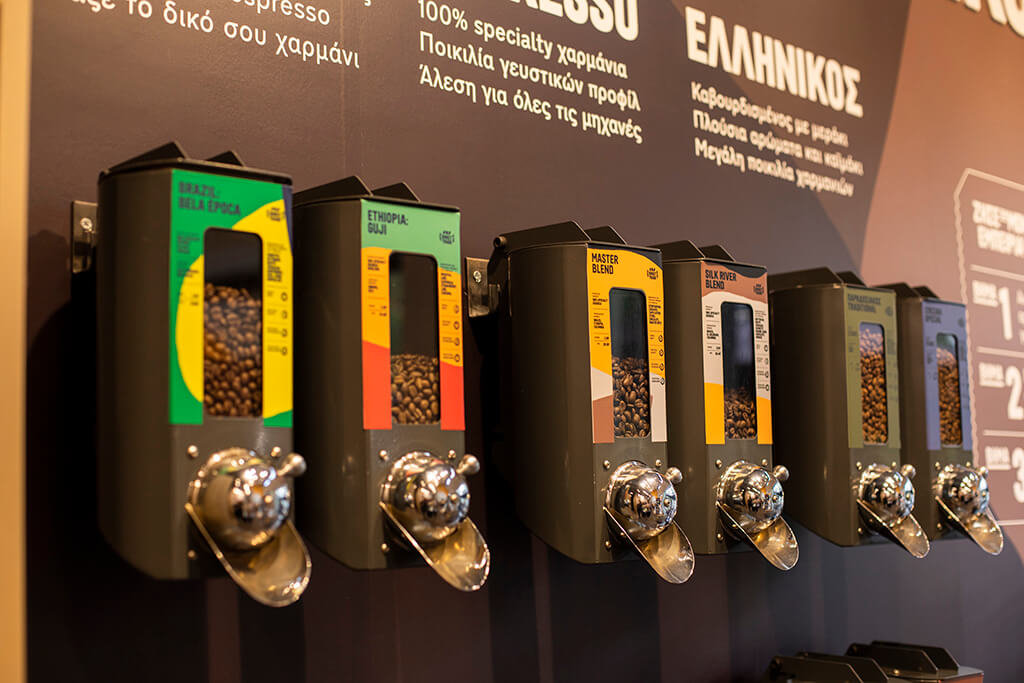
(15,69)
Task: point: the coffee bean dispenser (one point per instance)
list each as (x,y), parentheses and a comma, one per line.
(935,412)
(836,406)
(379,379)
(582,354)
(194,295)
(719,398)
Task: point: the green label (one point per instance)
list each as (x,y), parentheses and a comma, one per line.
(870,314)
(199,202)
(413,229)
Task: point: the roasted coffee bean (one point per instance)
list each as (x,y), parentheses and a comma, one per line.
(874,407)
(233,361)
(949,398)
(740,414)
(632,397)
(415,389)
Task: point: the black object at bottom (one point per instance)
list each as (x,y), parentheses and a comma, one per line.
(875,662)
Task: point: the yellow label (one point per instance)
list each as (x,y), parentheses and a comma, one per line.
(609,269)
(376,296)
(189,328)
(277,313)
(449,314)
(714,413)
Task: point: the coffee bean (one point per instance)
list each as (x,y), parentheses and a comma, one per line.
(740,414)
(949,398)
(415,389)
(631,397)
(232,367)
(874,406)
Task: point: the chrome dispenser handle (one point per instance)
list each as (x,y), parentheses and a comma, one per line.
(962,493)
(241,504)
(426,499)
(640,505)
(886,498)
(750,499)
(468,466)
(293,465)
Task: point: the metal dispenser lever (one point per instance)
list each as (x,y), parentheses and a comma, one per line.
(886,498)
(641,506)
(750,501)
(962,493)
(427,501)
(240,504)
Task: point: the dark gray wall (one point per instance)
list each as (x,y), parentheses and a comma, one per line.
(107,86)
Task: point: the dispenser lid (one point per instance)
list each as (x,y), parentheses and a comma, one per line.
(172,155)
(920,293)
(567,233)
(685,250)
(817,277)
(353,188)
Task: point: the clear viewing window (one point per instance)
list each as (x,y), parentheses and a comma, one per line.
(950,425)
(232,324)
(874,406)
(415,374)
(738,371)
(630,374)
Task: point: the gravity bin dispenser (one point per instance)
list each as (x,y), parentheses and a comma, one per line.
(194,296)
(935,418)
(582,354)
(836,407)
(719,393)
(379,381)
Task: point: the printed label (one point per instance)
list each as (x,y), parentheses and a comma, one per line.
(607,269)
(721,284)
(870,310)
(388,228)
(944,319)
(200,201)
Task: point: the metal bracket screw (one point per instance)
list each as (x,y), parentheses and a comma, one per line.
(84,235)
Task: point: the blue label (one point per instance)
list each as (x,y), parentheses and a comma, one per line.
(945,332)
